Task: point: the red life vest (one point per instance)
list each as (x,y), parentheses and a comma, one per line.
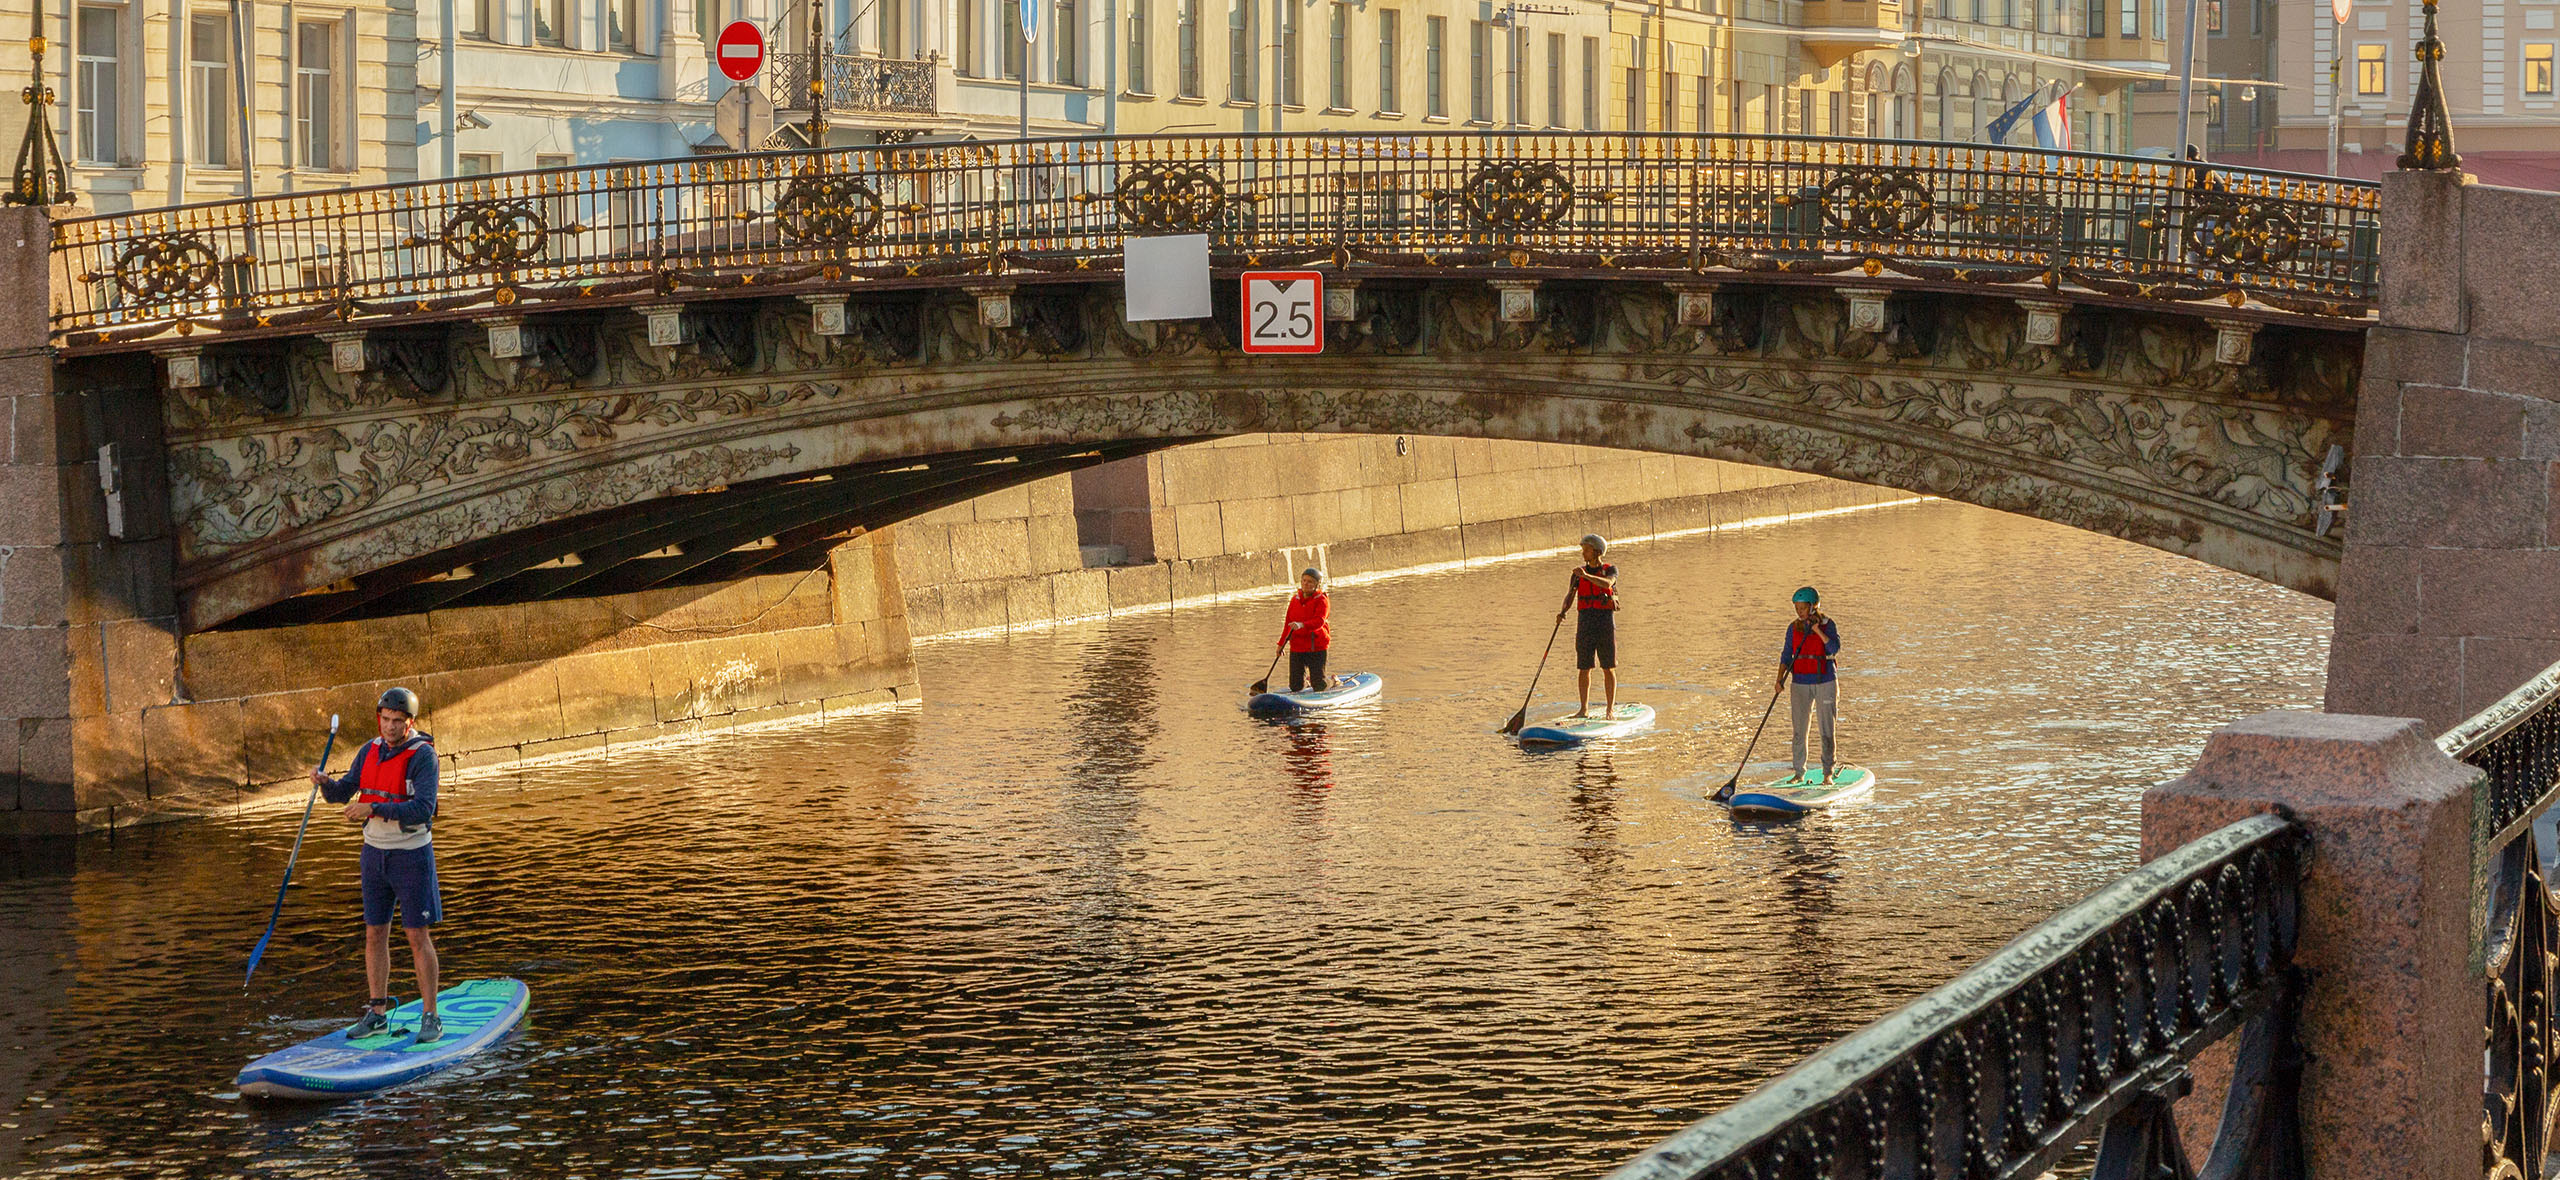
(1591,595)
(1805,652)
(385,779)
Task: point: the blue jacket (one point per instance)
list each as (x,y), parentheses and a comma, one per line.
(1830,648)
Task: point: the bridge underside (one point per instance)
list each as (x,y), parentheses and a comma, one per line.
(597,463)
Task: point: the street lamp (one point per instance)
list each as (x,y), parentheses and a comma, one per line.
(1508,19)
(1911,53)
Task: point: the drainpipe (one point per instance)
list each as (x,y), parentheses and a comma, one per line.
(444,105)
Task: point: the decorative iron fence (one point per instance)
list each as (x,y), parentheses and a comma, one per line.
(886,85)
(2516,742)
(2081,1027)
(1560,203)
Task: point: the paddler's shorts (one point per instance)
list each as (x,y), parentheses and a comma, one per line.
(405,875)
(1595,638)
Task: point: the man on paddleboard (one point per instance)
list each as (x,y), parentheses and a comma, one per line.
(1593,594)
(1308,632)
(1812,640)
(391,790)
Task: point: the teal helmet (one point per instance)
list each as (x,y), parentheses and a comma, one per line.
(1807,595)
(399,699)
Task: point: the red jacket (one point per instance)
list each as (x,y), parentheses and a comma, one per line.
(1317,634)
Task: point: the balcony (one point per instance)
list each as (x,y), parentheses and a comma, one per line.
(855,85)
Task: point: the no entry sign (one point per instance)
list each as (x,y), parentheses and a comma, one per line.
(1284,311)
(739,51)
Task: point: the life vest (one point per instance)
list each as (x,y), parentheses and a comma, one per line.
(1591,595)
(385,777)
(1805,654)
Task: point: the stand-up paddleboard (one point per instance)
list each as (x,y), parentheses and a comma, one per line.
(1791,796)
(1566,731)
(476,1013)
(1355,686)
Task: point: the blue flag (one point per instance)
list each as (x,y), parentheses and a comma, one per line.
(1998,131)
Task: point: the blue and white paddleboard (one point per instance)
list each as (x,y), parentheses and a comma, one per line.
(477,1013)
(1791,796)
(1355,686)
(1567,731)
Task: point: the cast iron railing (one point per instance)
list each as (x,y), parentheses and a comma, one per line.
(2516,742)
(2082,1027)
(1597,205)
(854,84)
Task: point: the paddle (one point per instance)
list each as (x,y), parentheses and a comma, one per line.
(1522,717)
(1264,685)
(255,952)
(1726,791)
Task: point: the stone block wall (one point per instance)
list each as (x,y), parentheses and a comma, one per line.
(1245,514)
(2449,592)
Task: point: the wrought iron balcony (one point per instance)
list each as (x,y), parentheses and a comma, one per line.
(883,85)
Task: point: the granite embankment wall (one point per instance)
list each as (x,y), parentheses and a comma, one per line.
(1245,514)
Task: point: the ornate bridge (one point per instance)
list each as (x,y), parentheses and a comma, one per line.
(376,390)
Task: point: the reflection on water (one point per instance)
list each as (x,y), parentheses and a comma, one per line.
(1079,915)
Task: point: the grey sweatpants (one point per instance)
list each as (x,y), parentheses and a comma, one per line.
(1803,699)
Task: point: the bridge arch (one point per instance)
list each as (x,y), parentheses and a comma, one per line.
(367,489)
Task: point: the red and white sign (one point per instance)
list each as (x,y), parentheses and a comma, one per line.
(1284,311)
(740,51)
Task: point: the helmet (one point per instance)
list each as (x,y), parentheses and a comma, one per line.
(1595,542)
(1312,572)
(400,699)
(1807,595)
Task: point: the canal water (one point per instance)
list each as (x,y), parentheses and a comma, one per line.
(1078,916)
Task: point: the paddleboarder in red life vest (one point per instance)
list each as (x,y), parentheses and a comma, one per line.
(1308,633)
(1593,595)
(391,790)
(1805,659)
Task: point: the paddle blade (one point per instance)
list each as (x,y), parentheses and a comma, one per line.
(1518,719)
(1258,687)
(1726,791)
(255,953)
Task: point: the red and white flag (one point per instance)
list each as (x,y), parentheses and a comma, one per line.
(2340,9)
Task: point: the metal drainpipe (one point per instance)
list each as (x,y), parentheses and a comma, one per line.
(444,104)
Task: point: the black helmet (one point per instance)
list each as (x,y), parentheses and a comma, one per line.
(400,699)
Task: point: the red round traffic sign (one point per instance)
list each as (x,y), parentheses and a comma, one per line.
(739,51)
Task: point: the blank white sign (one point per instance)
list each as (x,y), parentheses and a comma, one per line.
(1166,278)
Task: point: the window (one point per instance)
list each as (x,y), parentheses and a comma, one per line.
(1186,41)
(2537,69)
(471,18)
(1706,103)
(1239,51)
(2159,20)
(1289,70)
(622,25)
(893,29)
(210,106)
(1067,38)
(98,109)
(2097,18)
(1591,83)
(1138,46)
(1978,13)
(1387,65)
(2213,17)
(1337,52)
(1635,98)
(476,163)
(1555,79)
(1013,55)
(2373,75)
(1833,122)
(1435,32)
(1479,50)
(969,50)
(315,97)
(2257,17)
(551,21)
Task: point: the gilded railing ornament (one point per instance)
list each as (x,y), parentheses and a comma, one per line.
(2238,232)
(1878,203)
(42,177)
(1157,197)
(1518,194)
(2430,127)
(165,267)
(823,210)
(495,233)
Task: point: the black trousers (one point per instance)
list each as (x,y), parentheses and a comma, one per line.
(1306,670)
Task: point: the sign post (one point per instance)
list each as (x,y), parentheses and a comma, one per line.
(1030,37)
(740,51)
(1284,311)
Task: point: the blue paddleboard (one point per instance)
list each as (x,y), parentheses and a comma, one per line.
(1791,796)
(1567,731)
(1355,686)
(477,1013)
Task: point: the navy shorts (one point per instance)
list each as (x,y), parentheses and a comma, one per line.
(1595,639)
(405,875)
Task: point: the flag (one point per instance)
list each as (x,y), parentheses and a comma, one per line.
(1998,131)
(2053,124)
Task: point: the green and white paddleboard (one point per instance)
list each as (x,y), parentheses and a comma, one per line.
(1793,796)
(1566,731)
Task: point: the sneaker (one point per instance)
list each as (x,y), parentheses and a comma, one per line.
(371,1023)
(430,1027)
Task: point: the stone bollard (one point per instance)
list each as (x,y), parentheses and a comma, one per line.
(2392,1017)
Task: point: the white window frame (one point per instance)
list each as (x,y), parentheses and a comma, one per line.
(335,78)
(93,76)
(212,99)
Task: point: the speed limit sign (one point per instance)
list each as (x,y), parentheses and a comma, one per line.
(1284,311)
